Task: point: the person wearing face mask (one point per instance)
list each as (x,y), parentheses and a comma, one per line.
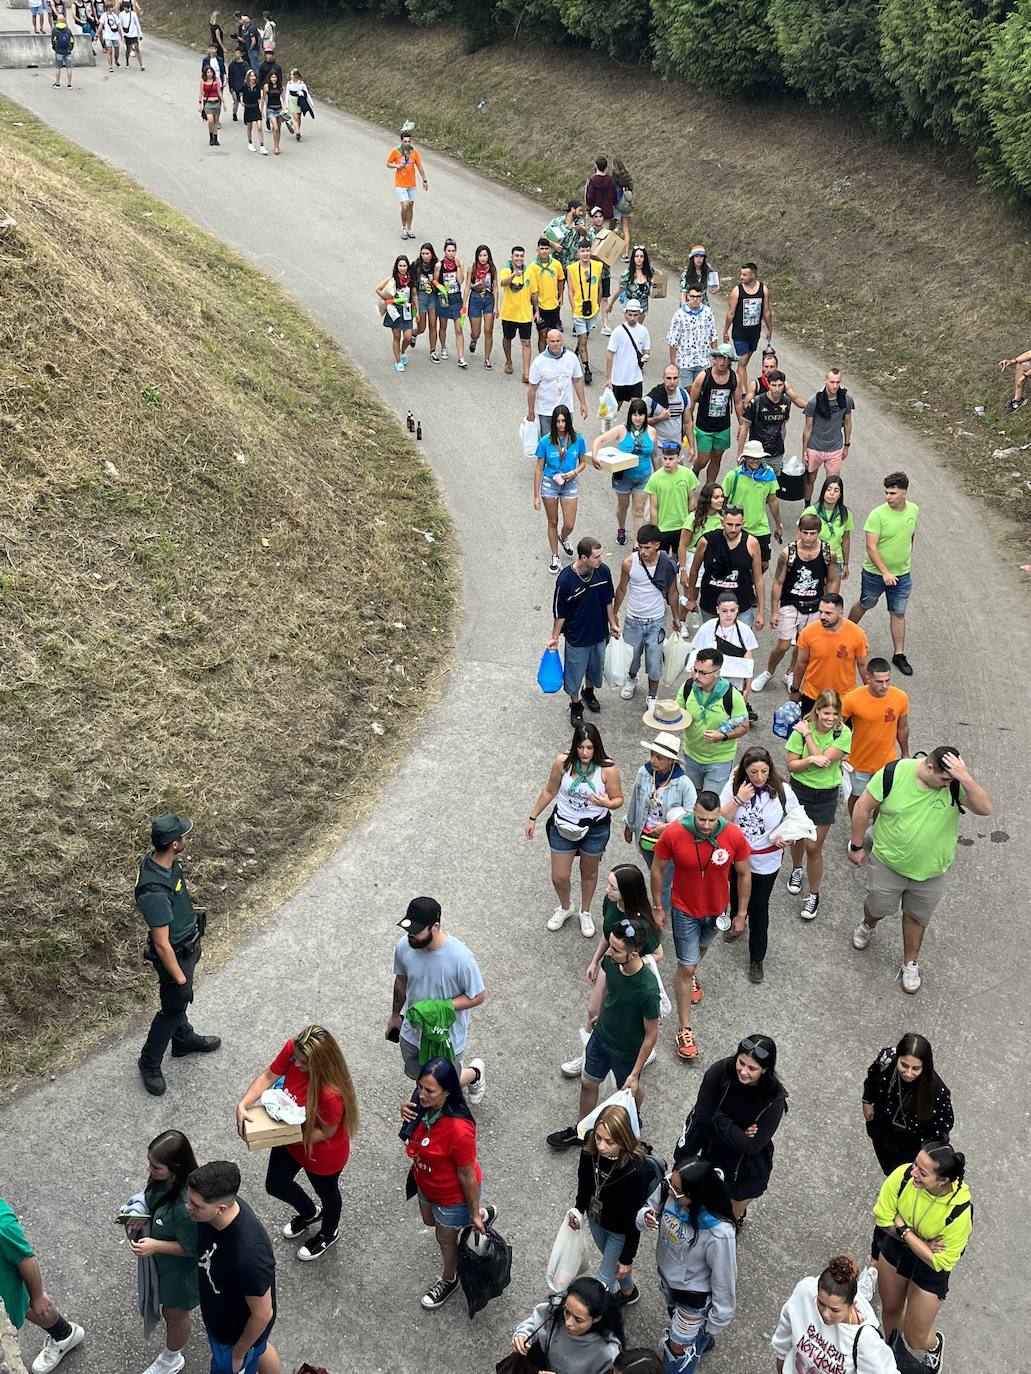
(613,1183)
(432,965)
(905,1102)
(740,1105)
(579,1332)
(828,1324)
(696,1256)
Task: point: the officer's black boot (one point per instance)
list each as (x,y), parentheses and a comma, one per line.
(153,1079)
(197,1044)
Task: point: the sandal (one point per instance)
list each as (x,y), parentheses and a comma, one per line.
(686,1047)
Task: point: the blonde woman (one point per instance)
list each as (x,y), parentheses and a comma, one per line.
(613,1183)
(815,750)
(315,1074)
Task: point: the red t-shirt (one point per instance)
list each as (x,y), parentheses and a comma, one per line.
(327,1156)
(438,1153)
(701,870)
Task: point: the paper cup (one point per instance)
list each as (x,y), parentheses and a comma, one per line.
(723,922)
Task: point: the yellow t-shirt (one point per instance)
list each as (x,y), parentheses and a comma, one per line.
(517,304)
(546,282)
(586,284)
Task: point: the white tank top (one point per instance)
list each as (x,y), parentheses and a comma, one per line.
(573,802)
(644,600)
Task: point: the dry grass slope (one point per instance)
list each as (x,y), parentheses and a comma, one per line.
(205,543)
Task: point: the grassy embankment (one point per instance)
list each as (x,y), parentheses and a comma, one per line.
(888,260)
(204,555)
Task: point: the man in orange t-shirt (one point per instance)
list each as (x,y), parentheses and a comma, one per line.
(878,715)
(405,160)
(830,653)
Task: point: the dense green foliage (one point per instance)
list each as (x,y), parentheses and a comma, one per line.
(956,70)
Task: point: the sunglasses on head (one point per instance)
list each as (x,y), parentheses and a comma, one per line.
(759,1052)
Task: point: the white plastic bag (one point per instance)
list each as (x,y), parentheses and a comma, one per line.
(607,404)
(618,657)
(570,1256)
(675,650)
(665,1005)
(623,1098)
(846,782)
(529,437)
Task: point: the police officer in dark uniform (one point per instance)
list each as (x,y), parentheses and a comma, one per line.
(173,948)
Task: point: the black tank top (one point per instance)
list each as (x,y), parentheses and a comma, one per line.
(715,403)
(805,579)
(748,313)
(726,570)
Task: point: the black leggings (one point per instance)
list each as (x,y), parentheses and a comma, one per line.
(279,1182)
(758,911)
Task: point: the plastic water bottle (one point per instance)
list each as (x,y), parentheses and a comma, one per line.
(785,718)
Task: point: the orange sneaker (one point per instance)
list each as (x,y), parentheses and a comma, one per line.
(686,1047)
(696,991)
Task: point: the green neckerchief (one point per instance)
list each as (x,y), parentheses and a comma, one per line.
(829,517)
(689,823)
(579,774)
(548,266)
(717,694)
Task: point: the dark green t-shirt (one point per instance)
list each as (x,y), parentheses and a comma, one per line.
(177,1274)
(629,1002)
(611,914)
(163,900)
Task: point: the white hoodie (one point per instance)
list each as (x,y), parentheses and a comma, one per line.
(807,1345)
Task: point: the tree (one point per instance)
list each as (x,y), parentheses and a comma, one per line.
(830,50)
(1006,154)
(621,28)
(726,45)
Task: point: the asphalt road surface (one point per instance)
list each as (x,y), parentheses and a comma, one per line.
(322,219)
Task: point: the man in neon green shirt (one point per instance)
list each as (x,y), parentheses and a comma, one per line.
(890,530)
(23,1294)
(915,805)
(753,486)
(671,495)
(710,741)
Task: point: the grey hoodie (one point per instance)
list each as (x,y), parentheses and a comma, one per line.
(566,1354)
(707,1266)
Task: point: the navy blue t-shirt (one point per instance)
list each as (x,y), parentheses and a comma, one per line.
(583,605)
(235,1264)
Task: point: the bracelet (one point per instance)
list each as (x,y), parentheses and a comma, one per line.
(533,818)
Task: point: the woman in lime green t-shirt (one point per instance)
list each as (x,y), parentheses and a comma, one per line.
(815,750)
(706,517)
(836,520)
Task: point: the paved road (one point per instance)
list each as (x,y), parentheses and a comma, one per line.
(322,220)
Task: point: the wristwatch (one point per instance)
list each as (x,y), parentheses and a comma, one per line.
(902,1231)
(854,848)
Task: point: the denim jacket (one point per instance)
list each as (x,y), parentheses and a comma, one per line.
(679,791)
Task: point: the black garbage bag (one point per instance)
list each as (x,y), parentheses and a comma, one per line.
(484,1266)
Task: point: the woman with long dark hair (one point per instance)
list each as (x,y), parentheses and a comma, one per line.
(578,1332)
(829,1315)
(756,798)
(272,104)
(397,294)
(696,1255)
(425,266)
(448,280)
(316,1076)
(740,1105)
(481,293)
(585,786)
(836,520)
(635,281)
(624,202)
(440,1140)
(695,276)
(210,101)
(561,458)
(905,1102)
(172,1243)
(637,436)
(707,515)
(924,1215)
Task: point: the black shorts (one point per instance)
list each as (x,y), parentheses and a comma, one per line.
(510,328)
(606,283)
(550,319)
(669,540)
(887,1246)
(764,546)
(628,393)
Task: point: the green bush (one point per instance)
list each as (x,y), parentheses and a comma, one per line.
(725,45)
(830,51)
(621,28)
(1007,102)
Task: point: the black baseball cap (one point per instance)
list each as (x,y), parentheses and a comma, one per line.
(422,913)
(164,829)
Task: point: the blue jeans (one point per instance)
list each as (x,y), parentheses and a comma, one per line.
(583,661)
(667,882)
(645,638)
(707,776)
(610,1243)
(254,59)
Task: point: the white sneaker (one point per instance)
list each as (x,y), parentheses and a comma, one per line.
(54,1351)
(263,150)
(650,1060)
(789,682)
(587,925)
(861,937)
(758,683)
(867,1283)
(573,1068)
(554,565)
(443,355)
(251,149)
(628,688)
(649,703)
(558,918)
(911,977)
(163,1366)
(476,1090)
(606,330)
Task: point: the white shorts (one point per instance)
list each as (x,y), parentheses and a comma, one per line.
(404,192)
(790,621)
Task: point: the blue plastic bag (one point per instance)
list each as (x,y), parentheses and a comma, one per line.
(549,674)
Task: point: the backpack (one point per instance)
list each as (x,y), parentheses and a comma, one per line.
(889,780)
(656,1167)
(62,40)
(825,549)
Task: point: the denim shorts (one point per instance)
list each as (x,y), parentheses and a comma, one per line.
(645,638)
(64,59)
(404,192)
(593,843)
(454,1216)
(480,303)
(858,781)
(582,326)
(450,308)
(625,482)
(691,935)
(873,589)
(222,1357)
(568,491)
(580,662)
(599,1059)
(427,301)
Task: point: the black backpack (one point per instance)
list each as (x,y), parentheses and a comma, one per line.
(889,780)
